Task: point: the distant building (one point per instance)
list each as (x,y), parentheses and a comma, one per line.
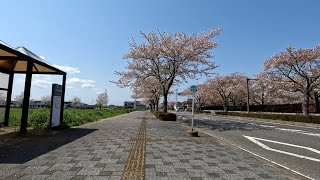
(67,104)
(128,104)
(112,106)
(139,106)
(86,106)
(35,104)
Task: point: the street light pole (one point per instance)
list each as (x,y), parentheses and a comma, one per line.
(248,110)
(248,99)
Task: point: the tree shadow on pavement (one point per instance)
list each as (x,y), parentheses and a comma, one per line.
(225,125)
(17,150)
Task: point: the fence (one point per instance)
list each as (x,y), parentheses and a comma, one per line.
(283,108)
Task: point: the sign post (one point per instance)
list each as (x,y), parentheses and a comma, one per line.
(55,105)
(193,90)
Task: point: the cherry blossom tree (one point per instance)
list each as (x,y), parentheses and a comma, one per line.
(149,90)
(299,69)
(230,88)
(202,96)
(238,88)
(267,89)
(316,98)
(170,58)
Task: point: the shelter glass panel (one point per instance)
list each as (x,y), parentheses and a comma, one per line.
(4,80)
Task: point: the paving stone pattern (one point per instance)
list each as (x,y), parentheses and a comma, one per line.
(169,154)
(135,165)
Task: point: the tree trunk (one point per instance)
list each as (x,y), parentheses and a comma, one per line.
(225,106)
(157,104)
(305,104)
(165,102)
(316,102)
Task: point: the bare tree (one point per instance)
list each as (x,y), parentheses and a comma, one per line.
(170,58)
(19,99)
(102,99)
(46,100)
(76,102)
(2,96)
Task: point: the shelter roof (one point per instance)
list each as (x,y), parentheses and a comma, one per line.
(14,60)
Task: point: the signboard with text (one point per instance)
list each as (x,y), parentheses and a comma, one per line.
(56,105)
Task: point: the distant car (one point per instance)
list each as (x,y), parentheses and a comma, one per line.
(188,109)
(179,109)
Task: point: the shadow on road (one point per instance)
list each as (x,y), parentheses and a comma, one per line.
(14,150)
(225,125)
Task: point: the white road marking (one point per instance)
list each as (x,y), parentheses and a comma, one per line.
(254,139)
(299,131)
(267,126)
(285,167)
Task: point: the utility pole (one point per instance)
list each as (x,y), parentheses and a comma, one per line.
(248,97)
(248,110)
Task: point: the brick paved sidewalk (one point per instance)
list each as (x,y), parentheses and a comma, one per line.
(137,146)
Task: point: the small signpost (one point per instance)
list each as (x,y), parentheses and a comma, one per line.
(193,90)
(56,105)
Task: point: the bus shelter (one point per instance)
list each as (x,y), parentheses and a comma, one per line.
(20,60)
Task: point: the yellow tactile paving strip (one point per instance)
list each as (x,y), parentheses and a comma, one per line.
(134,168)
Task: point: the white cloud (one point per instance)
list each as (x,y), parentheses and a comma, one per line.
(68,69)
(42,83)
(87,86)
(84,83)
(81,81)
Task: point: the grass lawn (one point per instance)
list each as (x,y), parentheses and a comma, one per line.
(40,118)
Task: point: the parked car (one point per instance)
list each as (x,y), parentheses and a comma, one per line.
(189,109)
(179,109)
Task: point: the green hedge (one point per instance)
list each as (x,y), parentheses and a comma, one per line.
(164,116)
(283,117)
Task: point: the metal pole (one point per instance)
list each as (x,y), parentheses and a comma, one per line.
(192,113)
(248,110)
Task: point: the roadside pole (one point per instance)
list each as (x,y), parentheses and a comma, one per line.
(192,112)
(192,133)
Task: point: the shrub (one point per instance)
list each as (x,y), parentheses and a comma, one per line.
(283,117)
(156,113)
(167,116)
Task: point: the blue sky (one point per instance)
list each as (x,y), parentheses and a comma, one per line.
(91,37)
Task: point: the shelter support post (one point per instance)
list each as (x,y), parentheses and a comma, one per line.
(26,98)
(63,89)
(8,105)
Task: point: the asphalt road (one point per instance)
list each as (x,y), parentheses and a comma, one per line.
(296,148)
